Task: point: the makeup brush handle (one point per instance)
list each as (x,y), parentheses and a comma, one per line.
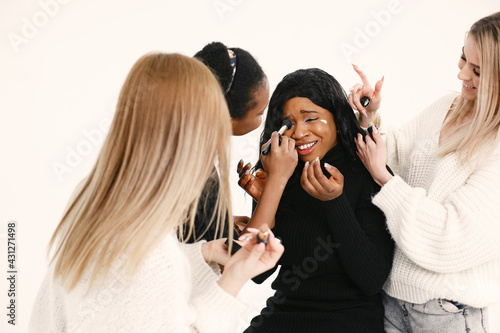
(268,147)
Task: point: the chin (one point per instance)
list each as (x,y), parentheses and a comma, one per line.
(469,96)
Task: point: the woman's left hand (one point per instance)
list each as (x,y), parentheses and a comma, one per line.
(215,251)
(373,154)
(315,183)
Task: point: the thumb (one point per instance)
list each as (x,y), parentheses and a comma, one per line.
(376,134)
(378,87)
(255,254)
(334,172)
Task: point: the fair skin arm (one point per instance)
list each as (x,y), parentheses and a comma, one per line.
(372,152)
(368,114)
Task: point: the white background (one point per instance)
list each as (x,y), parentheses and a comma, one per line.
(62,64)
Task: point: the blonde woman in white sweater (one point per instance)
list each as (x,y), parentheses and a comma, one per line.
(442,204)
(117,263)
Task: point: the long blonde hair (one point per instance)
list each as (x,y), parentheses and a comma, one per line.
(479,134)
(171,125)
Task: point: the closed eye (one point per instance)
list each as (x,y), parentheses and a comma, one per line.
(311,119)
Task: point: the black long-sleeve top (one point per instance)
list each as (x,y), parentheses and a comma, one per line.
(338,254)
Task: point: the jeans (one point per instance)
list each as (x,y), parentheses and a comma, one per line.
(435,316)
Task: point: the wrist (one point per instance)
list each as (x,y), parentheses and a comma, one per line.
(205,251)
(229,284)
(277,180)
(371,117)
(383,177)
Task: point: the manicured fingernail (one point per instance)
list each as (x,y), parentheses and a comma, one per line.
(328,166)
(245,237)
(306,165)
(316,159)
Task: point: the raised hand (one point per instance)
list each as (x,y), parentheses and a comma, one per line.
(365,89)
(253,184)
(315,183)
(251,260)
(373,154)
(283,158)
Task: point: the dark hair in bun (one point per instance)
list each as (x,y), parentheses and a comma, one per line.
(248,76)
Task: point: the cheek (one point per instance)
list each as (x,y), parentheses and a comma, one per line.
(476,81)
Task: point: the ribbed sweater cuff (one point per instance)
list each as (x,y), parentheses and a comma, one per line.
(389,198)
(217,310)
(203,274)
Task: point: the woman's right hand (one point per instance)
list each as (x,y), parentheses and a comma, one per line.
(365,89)
(251,260)
(282,159)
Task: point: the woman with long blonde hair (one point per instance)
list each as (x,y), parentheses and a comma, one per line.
(117,263)
(442,204)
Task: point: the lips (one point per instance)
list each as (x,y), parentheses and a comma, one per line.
(306,148)
(467,87)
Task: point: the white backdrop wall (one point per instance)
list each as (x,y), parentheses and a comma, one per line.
(62,64)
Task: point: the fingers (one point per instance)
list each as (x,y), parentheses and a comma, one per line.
(275,141)
(378,88)
(243,169)
(241,221)
(361,74)
(337,176)
(376,135)
(239,167)
(356,94)
(323,182)
(260,174)
(309,181)
(245,180)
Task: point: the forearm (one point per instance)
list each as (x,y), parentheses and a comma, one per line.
(266,209)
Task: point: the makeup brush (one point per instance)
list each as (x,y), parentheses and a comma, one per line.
(287,124)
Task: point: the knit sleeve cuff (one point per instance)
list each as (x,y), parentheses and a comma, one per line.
(203,273)
(391,197)
(217,310)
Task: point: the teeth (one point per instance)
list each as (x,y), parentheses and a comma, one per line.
(466,86)
(309,145)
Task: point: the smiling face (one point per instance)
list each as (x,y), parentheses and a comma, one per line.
(469,70)
(314,129)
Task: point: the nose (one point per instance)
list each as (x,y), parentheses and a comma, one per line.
(465,73)
(299,131)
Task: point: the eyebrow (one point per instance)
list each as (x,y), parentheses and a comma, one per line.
(473,65)
(301,111)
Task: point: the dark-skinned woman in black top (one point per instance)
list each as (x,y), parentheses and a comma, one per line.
(338,252)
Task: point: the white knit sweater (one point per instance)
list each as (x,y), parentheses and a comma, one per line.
(173,290)
(443,216)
